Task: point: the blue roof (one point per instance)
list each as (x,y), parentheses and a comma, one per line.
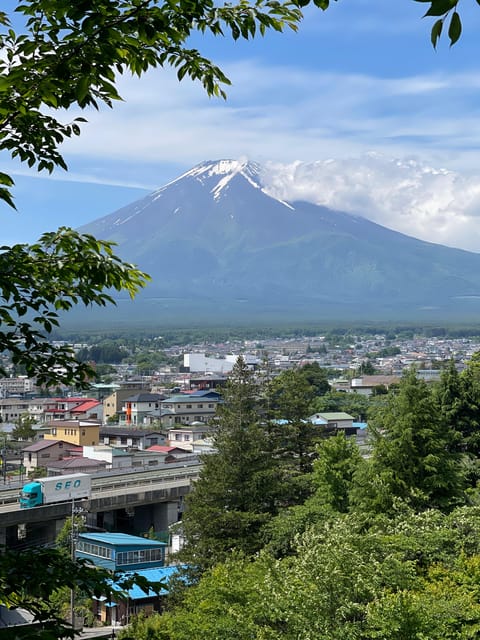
(158,574)
(359,425)
(121,539)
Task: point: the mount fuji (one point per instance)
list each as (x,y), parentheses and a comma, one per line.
(220,248)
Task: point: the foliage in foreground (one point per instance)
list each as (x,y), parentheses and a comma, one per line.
(415,576)
(40,281)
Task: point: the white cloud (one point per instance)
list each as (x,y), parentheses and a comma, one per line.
(286,113)
(406,195)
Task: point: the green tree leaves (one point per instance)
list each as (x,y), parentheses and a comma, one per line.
(71,53)
(446,9)
(40,281)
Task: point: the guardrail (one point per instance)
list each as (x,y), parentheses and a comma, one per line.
(116,480)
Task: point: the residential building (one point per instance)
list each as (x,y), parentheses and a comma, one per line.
(130,438)
(72,408)
(185,437)
(43,453)
(114,402)
(111,457)
(18,386)
(199,406)
(335,421)
(79,432)
(366,384)
(12,408)
(75,464)
(124,555)
(134,601)
(137,407)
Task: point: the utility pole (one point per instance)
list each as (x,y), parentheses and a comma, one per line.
(73,546)
(72,554)
(4,458)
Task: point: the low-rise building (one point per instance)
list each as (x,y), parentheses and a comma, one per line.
(335,421)
(43,453)
(79,432)
(185,437)
(198,406)
(136,408)
(130,438)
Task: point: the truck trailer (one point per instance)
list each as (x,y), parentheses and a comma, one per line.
(42,491)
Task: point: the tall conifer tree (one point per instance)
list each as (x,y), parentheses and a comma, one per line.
(235,493)
(413,457)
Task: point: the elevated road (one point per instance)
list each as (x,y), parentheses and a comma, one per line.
(111,490)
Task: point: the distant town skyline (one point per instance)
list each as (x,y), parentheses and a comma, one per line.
(359,84)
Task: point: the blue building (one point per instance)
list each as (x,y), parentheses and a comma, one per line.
(125,603)
(120,551)
(126,555)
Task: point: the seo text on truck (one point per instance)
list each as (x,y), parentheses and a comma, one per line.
(55,489)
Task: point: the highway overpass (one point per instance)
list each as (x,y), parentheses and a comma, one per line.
(127,500)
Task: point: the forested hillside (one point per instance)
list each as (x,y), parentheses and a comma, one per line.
(293,533)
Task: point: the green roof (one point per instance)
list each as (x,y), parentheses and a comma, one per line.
(335,415)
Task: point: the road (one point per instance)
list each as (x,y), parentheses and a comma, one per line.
(99,632)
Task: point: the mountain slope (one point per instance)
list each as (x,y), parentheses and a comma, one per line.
(215,239)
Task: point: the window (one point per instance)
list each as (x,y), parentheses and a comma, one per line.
(178,436)
(94,549)
(189,406)
(143,555)
(211,406)
(186,437)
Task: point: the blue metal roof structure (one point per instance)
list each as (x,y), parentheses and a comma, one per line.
(121,540)
(159,574)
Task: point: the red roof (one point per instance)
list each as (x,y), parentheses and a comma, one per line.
(86,406)
(161,448)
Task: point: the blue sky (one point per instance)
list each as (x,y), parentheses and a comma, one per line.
(357,98)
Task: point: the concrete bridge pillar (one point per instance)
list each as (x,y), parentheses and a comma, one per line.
(159,516)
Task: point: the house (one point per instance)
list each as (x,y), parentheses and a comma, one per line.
(172,453)
(44,452)
(367,384)
(112,457)
(72,408)
(12,408)
(137,407)
(114,402)
(130,438)
(79,432)
(335,421)
(205,382)
(185,437)
(198,406)
(75,464)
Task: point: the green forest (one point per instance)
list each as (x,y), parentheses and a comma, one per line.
(293,533)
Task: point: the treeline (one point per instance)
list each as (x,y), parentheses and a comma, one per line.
(170,336)
(292,533)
